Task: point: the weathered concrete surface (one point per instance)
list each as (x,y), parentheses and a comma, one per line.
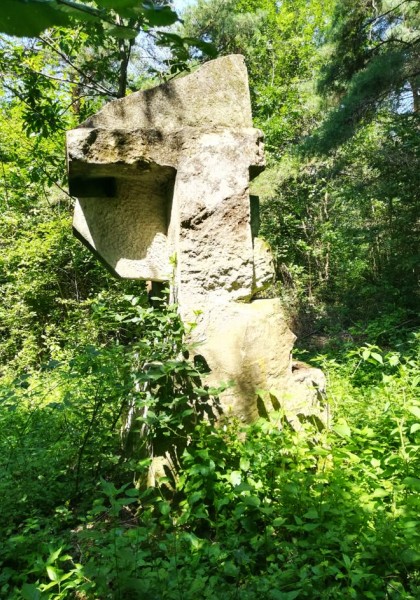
(248,345)
(216,95)
(162,180)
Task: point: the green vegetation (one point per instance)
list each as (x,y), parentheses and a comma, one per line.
(266,512)
(273,512)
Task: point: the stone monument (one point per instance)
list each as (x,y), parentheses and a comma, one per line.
(162,185)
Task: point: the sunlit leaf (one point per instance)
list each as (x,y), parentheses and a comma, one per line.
(235,477)
(53,573)
(120,32)
(54,555)
(244,464)
(415,410)
(380,493)
(393,360)
(366,353)
(342,428)
(377,357)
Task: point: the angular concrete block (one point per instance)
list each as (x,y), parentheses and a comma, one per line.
(162,185)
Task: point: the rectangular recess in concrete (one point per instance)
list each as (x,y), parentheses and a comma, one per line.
(97,187)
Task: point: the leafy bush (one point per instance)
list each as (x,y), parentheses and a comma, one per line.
(264,511)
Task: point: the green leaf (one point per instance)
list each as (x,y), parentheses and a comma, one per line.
(235,478)
(29,591)
(380,493)
(170,38)
(393,360)
(54,555)
(244,464)
(29,18)
(312,513)
(411,557)
(415,410)
(165,508)
(377,357)
(413,483)
(53,573)
(159,16)
(205,47)
(366,353)
(120,32)
(342,428)
(230,569)
(252,501)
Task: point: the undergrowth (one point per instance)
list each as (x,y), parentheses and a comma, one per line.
(262,512)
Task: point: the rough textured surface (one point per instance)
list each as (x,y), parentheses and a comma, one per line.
(216,95)
(264,272)
(162,179)
(248,345)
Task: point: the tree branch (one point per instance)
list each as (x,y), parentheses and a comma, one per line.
(96,86)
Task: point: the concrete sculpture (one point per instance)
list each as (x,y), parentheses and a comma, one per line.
(162,180)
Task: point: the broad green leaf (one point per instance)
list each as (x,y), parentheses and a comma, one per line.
(235,477)
(165,508)
(380,493)
(29,591)
(346,561)
(377,357)
(413,483)
(29,18)
(53,573)
(230,568)
(54,555)
(414,428)
(394,360)
(159,16)
(312,513)
(170,38)
(194,497)
(415,410)
(244,464)
(411,524)
(411,556)
(120,32)
(252,501)
(342,428)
